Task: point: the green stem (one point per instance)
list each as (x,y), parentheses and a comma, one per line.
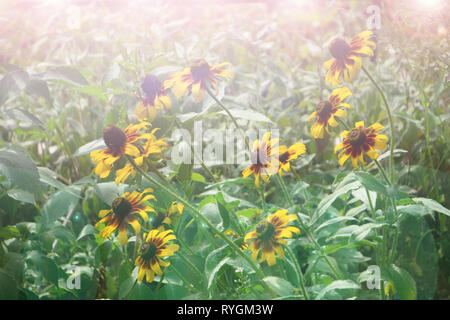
(382,172)
(308,233)
(199,216)
(391,123)
(263,200)
(229,114)
(285,191)
(198,158)
(191,265)
(298,271)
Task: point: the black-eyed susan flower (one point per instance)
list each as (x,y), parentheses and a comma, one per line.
(269,235)
(125,210)
(154,248)
(168,217)
(264,159)
(326,112)
(152,146)
(287,154)
(347,58)
(118,143)
(155,98)
(196,78)
(361,140)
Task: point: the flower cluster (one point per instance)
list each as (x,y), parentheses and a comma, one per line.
(141,146)
(346,62)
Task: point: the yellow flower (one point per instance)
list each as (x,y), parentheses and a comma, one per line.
(196,78)
(264,159)
(169,217)
(347,58)
(268,237)
(118,143)
(327,110)
(361,140)
(391,292)
(152,146)
(124,212)
(154,248)
(155,98)
(287,154)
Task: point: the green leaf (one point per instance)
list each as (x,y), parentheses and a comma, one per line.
(198,177)
(337,285)
(86,231)
(45,266)
(223,210)
(21,195)
(185,172)
(371,183)
(48,177)
(39,88)
(280,286)
(102,252)
(250,115)
(8,232)
(18,167)
(402,280)
(125,287)
(108,191)
(9,287)
(94,91)
(24,115)
(433,205)
(340,190)
(58,205)
(211,212)
(7,84)
(216,270)
(90,146)
(67,74)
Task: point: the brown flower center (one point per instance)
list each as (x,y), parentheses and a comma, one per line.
(115,139)
(149,251)
(339,48)
(151,86)
(356,137)
(200,69)
(284,157)
(121,207)
(323,109)
(265,230)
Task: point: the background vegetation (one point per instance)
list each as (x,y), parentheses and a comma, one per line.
(68,70)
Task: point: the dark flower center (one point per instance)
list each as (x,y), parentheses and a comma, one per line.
(200,69)
(265,230)
(356,137)
(121,207)
(114,138)
(151,86)
(323,109)
(339,48)
(284,157)
(158,219)
(149,251)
